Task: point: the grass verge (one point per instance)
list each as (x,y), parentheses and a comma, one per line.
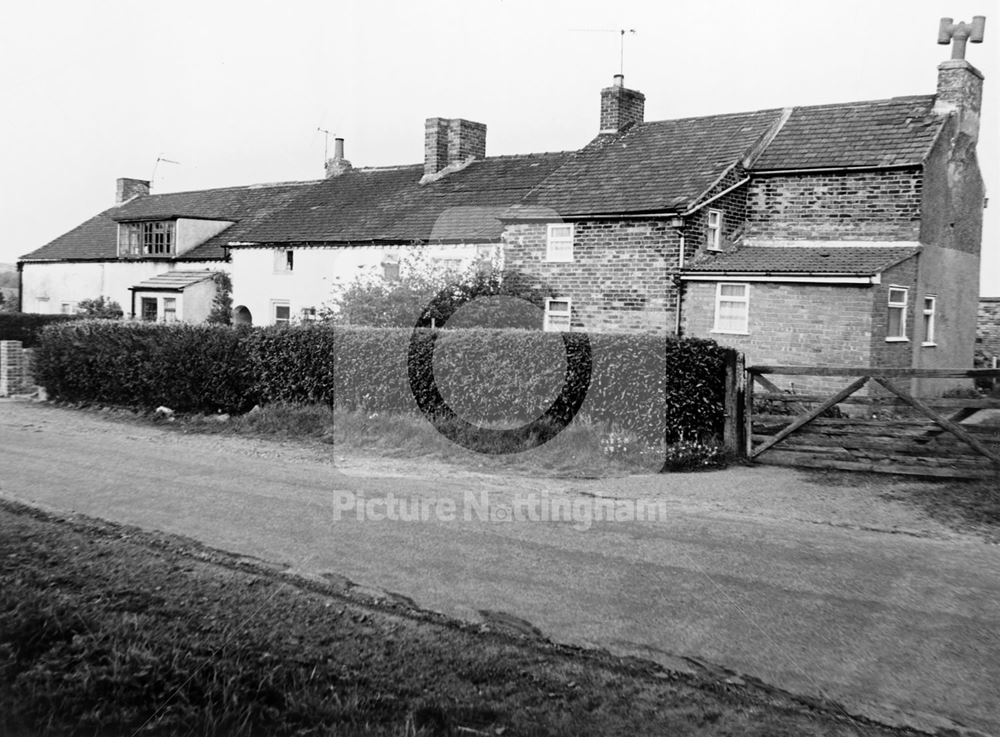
(107,630)
(584,449)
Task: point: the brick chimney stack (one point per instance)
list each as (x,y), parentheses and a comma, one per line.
(126,189)
(621,107)
(960,85)
(450,141)
(338,164)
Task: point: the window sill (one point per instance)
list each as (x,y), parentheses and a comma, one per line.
(928,345)
(727,332)
(897,340)
(558,260)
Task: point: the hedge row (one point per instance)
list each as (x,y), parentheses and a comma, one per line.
(26,326)
(657,386)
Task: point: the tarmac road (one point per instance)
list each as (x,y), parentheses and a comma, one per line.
(827,591)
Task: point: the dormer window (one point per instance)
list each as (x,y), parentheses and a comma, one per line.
(154,238)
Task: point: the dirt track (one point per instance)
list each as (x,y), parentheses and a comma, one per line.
(826,591)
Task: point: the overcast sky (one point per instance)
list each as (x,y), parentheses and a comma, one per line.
(235,91)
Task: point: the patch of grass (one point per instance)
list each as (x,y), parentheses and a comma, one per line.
(106,630)
(965,506)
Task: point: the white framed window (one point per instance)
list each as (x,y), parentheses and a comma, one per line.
(281,311)
(713,231)
(284,260)
(67,308)
(557,314)
(559,242)
(169,309)
(732,308)
(154,238)
(930,308)
(898,300)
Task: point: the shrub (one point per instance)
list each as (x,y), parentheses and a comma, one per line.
(661,390)
(222,302)
(185,367)
(26,326)
(100,307)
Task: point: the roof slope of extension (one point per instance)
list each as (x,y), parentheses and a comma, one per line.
(660,166)
(667,166)
(176,281)
(819,260)
(390,205)
(97,238)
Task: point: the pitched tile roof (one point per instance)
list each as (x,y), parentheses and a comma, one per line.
(175,280)
(896,131)
(653,167)
(855,260)
(664,166)
(97,238)
(391,205)
(668,165)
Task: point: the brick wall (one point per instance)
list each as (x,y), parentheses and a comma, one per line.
(888,353)
(621,276)
(848,206)
(734,214)
(11,368)
(988,336)
(791,324)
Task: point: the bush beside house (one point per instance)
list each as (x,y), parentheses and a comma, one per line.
(660,388)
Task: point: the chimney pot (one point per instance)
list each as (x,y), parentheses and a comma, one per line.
(338,164)
(126,189)
(619,80)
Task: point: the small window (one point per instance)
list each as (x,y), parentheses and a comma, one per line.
(169,309)
(68,308)
(147,306)
(930,306)
(282,313)
(732,309)
(390,271)
(713,240)
(898,298)
(559,242)
(284,260)
(557,314)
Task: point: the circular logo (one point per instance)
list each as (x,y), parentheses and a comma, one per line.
(492,441)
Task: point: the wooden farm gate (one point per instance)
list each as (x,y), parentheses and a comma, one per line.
(887,431)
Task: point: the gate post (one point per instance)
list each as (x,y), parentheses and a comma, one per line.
(733,428)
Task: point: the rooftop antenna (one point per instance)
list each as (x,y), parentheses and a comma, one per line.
(621,33)
(160,158)
(326,143)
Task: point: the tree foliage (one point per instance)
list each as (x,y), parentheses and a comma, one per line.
(222,302)
(428,295)
(100,307)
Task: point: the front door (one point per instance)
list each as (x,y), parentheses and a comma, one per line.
(149,309)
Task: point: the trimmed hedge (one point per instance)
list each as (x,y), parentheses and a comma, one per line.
(189,368)
(659,387)
(26,326)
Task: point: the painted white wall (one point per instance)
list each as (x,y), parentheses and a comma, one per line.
(191,233)
(318,273)
(48,285)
